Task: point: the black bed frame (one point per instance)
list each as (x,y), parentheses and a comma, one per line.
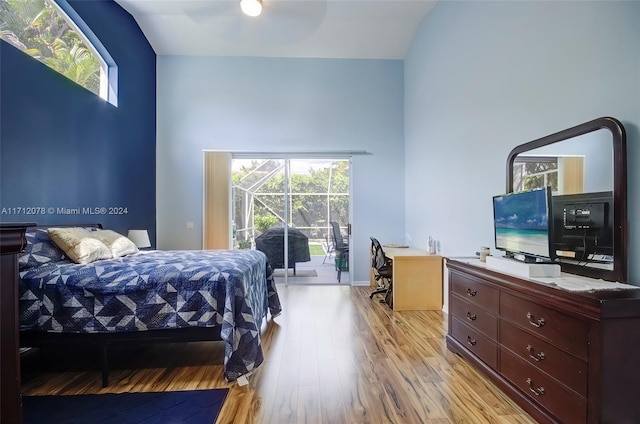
(39,339)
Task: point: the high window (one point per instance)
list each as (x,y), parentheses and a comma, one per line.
(564,174)
(44,30)
(536,172)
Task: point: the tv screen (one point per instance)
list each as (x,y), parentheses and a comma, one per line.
(522,225)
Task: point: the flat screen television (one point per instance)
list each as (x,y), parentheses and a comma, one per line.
(583,225)
(522,224)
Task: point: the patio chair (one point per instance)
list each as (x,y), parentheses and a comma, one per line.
(341,248)
(329,248)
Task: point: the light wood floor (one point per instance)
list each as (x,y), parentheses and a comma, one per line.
(333,356)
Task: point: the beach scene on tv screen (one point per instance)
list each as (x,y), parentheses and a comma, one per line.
(522,223)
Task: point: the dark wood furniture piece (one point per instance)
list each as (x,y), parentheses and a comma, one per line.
(611,141)
(568,357)
(12,241)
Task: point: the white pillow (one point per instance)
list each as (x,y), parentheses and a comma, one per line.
(78,244)
(118,244)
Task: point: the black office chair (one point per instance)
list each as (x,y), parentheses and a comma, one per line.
(383,272)
(341,249)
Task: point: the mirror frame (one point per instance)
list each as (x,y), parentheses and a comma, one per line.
(620,230)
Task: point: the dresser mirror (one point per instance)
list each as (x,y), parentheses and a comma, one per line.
(586,167)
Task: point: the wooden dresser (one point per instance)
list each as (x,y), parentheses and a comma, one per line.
(563,356)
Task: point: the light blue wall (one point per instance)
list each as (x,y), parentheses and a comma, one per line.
(262,104)
(483,77)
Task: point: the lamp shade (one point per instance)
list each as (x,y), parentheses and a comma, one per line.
(251,7)
(140,238)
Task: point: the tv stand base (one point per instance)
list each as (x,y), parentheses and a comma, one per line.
(523,269)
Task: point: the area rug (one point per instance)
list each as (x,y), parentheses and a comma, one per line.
(299,273)
(184,407)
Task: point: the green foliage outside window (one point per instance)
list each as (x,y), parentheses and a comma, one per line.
(36,28)
(533,174)
(319,195)
(310,208)
(264,222)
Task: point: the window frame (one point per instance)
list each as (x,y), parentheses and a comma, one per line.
(108,67)
(545,174)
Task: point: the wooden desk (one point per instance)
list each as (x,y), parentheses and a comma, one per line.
(417,279)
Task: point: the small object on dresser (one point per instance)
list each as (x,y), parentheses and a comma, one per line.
(484,252)
(432,246)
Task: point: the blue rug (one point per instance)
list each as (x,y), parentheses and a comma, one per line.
(183,407)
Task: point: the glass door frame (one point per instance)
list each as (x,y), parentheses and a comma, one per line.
(288,157)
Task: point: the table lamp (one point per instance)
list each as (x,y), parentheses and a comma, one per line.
(140,238)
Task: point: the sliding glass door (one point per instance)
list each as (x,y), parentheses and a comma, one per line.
(258,198)
(286,205)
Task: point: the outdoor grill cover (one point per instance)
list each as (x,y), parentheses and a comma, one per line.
(271,242)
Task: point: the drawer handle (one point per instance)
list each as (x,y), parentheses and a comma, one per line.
(472,292)
(536,391)
(539,323)
(472,342)
(471,317)
(535,356)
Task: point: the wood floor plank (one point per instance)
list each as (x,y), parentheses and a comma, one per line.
(333,356)
(332,408)
(356,408)
(308,410)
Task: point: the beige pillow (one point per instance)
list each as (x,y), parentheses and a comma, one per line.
(118,244)
(78,244)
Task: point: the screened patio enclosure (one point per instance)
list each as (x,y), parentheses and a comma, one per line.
(305,194)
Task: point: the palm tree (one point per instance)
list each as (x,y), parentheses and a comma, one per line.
(76,63)
(36,28)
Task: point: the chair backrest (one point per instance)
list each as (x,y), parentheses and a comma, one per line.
(378,259)
(337,235)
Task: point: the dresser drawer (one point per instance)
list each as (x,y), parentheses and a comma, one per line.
(562,366)
(475,317)
(483,347)
(474,291)
(566,405)
(556,328)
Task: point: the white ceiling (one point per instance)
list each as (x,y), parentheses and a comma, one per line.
(360,29)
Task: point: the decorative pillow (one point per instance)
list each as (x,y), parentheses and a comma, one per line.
(116,242)
(78,244)
(40,250)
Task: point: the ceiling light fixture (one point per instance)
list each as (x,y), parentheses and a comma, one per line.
(251,7)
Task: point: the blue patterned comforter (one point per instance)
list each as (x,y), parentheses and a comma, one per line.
(155,290)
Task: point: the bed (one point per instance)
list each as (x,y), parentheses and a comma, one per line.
(146,296)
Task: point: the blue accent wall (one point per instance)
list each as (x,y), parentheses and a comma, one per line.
(63,147)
